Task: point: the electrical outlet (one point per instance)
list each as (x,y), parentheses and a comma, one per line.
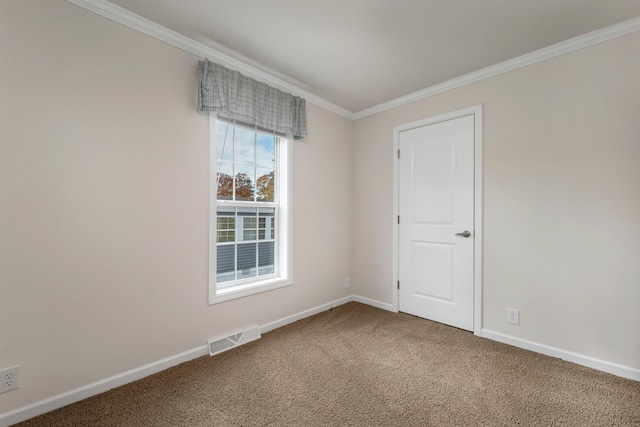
(513,316)
(346,282)
(9,379)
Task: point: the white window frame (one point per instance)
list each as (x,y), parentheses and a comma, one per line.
(283,266)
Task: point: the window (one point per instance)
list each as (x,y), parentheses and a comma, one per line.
(250,218)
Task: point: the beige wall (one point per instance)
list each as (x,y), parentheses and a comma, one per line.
(103,202)
(104,199)
(561,199)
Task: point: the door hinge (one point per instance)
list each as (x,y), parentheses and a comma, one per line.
(398,153)
(398,284)
(398,219)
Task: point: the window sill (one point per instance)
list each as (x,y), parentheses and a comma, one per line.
(247,289)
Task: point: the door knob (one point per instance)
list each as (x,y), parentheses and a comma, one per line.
(465,233)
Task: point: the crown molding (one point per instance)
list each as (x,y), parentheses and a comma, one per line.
(585,40)
(157,31)
(136,22)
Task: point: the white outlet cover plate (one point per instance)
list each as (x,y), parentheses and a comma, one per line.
(9,378)
(513,316)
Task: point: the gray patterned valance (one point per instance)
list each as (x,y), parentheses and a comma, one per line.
(242,98)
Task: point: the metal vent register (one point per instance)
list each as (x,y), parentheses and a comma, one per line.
(218,345)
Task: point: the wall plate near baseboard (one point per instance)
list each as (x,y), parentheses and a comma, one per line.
(227,342)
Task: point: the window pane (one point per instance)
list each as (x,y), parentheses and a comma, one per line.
(245,161)
(224,141)
(266,258)
(249,223)
(225,263)
(268,215)
(265,185)
(225,180)
(247,260)
(226,223)
(226,236)
(265,151)
(244,183)
(262,226)
(245,146)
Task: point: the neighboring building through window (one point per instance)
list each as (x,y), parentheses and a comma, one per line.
(252,214)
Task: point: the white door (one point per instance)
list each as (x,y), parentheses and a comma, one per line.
(436,235)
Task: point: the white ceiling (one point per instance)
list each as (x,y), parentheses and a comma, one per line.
(361,53)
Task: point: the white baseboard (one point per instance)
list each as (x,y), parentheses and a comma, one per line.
(54,402)
(63,399)
(580,359)
(324,307)
(306,313)
(373,303)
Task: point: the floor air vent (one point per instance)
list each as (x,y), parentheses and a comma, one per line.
(218,345)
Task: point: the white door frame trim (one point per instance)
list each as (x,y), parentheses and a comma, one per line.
(475,111)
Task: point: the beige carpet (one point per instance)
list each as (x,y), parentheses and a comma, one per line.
(361,366)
